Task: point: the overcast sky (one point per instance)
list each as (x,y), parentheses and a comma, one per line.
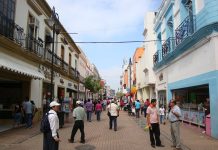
(105,20)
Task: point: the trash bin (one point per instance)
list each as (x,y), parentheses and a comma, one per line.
(61,118)
(208,127)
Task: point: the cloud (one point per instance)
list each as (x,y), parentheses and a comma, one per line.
(111,75)
(96,17)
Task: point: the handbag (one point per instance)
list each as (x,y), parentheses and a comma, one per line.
(109,114)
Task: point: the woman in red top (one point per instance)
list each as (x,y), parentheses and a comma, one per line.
(98,109)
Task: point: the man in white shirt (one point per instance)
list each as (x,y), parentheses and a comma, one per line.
(174,115)
(51,139)
(79,116)
(153,124)
(162,114)
(114,113)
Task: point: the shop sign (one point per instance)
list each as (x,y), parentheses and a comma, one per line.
(69,84)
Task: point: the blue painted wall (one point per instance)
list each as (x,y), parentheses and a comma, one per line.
(210,78)
(208,15)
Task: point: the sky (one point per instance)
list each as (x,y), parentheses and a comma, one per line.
(105,21)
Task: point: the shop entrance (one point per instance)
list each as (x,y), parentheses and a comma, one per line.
(194,103)
(162,98)
(12,92)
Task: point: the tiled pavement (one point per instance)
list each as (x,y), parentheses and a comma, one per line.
(130,136)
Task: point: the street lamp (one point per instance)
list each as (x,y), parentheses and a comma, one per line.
(53,22)
(130,74)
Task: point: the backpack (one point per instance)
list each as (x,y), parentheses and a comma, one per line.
(45,125)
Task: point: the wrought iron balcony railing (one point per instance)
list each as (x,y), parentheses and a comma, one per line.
(57,60)
(48,54)
(168,46)
(65,65)
(34,45)
(72,72)
(155,57)
(9,29)
(185,29)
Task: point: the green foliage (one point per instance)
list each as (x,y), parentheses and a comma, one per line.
(92,84)
(119,94)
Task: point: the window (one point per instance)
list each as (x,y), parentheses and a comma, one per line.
(199,5)
(7,8)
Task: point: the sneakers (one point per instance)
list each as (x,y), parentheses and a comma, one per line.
(83,142)
(160,145)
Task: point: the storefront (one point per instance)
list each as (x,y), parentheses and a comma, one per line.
(193,103)
(12,92)
(17,81)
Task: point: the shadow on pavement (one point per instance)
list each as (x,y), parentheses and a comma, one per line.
(85,147)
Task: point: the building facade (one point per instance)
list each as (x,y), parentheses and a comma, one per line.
(145,74)
(27,42)
(185,63)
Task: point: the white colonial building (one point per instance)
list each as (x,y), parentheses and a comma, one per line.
(185,63)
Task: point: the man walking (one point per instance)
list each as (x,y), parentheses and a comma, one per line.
(78,115)
(174,115)
(137,108)
(153,123)
(51,139)
(114,113)
(28,108)
(89,109)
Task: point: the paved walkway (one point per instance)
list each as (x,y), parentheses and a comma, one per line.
(130,135)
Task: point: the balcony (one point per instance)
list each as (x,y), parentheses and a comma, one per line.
(48,55)
(156,57)
(9,29)
(34,45)
(168,46)
(185,29)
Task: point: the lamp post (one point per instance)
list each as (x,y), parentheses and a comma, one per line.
(53,22)
(130,76)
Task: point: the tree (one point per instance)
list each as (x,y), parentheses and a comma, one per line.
(119,95)
(92,84)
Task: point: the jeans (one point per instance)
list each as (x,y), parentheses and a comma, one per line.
(89,115)
(29,120)
(113,120)
(162,118)
(98,114)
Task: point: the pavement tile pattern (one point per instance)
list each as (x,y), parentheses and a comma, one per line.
(129,136)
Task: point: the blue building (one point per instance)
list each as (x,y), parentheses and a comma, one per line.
(186,60)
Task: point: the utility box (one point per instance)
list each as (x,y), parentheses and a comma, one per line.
(208,125)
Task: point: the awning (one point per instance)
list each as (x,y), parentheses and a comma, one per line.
(21,69)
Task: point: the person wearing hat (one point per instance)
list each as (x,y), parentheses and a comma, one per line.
(79,116)
(51,139)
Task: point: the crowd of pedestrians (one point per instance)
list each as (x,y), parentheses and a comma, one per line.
(85,109)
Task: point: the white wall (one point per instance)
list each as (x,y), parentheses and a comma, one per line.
(197,62)
(36,92)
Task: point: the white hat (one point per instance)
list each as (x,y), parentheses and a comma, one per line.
(54,103)
(78,102)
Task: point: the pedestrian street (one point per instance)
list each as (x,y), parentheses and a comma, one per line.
(129,135)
